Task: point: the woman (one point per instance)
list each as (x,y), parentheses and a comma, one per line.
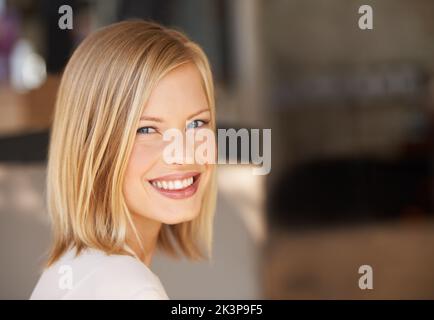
(112,197)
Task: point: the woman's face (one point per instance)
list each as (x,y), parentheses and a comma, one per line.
(154,189)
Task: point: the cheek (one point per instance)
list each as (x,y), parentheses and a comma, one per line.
(142,160)
(208,170)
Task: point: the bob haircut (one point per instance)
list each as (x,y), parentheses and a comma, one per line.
(102,94)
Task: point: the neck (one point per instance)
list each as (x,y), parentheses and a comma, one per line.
(148,231)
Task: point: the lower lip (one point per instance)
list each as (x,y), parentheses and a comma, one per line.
(182,193)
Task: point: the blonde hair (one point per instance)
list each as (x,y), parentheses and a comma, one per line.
(103,91)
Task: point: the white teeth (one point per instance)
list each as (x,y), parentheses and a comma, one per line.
(185,183)
(173,185)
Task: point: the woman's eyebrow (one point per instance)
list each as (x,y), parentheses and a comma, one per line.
(199,112)
(155,119)
(151,119)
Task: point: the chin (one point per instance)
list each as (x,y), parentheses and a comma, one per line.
(178,217)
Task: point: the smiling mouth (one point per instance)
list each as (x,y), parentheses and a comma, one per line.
(177,186)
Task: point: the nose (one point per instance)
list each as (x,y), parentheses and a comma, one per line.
(179,146)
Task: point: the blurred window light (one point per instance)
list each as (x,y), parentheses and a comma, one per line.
(28,69)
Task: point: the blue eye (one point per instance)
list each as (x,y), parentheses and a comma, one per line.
(146,130)
(196,124)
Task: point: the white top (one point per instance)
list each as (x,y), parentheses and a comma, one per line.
(96,275)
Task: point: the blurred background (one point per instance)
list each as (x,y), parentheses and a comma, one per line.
(352,119)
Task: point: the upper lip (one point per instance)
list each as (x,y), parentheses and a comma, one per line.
(176,176)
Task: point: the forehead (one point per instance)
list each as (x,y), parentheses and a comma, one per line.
(178,93)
